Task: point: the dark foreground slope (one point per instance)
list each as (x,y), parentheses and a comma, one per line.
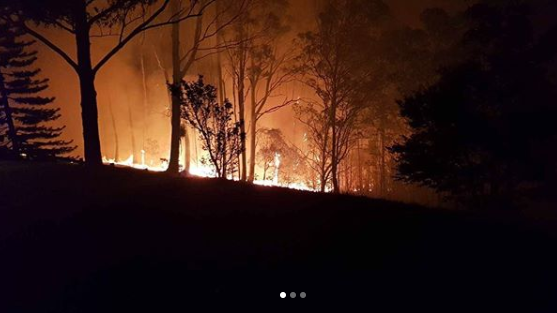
(76,240)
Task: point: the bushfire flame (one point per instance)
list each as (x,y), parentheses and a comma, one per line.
(200,170)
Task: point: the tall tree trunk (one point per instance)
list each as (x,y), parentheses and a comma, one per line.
(220,40)
(174,160)
(360,169)
(323,161)
(221,84)
(12,132)
(187,149)
(145,96)
(382,165)
(113,120)
(242,113)
(237,157)
(182,71)
(253,132)
(89,116)
(334,151)
(89,111)
(242,101)
(323,164)
(135,156)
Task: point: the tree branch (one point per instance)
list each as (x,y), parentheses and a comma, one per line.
(187,16)
(64,27)
(51,45)
(141,27)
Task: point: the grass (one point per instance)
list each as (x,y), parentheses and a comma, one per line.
(74,239)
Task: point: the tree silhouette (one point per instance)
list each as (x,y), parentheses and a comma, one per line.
(333,62)
(86,19)
(221,137)
(405,60)
(267,70)
(184,56)
(484,133)
(23,112)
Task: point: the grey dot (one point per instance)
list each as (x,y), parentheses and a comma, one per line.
(292,295)
(302,295)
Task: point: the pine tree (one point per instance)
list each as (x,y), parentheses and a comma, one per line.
(24,113)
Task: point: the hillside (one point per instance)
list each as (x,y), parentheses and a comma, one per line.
(73,239)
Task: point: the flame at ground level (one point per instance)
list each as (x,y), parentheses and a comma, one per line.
(202,171)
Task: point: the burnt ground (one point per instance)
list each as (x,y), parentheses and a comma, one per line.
(79,240)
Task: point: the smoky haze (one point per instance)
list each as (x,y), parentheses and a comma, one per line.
(120,83)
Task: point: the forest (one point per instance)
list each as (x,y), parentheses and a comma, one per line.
(351,98)
(158,153)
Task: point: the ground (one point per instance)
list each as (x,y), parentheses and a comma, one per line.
(74,239)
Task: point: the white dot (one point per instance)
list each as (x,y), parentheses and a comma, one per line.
(283,295)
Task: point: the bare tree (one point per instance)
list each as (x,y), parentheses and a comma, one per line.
(219,14)
(333,63)
(268,72)
(238,67)
(114,128)
(256,66)
(318,152)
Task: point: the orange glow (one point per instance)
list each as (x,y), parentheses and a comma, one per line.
(200,170)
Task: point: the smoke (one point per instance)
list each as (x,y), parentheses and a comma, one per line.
(146,120)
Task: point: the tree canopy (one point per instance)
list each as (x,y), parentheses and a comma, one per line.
(24,112)
(485,131)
